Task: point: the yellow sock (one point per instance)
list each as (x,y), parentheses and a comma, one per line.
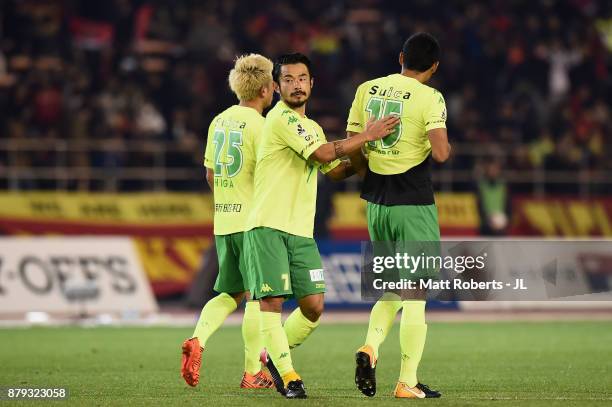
(413,332)
(381,320)
(251,335)
(291,376)
(212,316)
(275,341)
(298,327)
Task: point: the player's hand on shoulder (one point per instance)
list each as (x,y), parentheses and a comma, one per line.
(377,129)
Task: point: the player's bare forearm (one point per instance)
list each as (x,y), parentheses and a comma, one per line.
(210,179)
(440,147)
(358,159)
(338,149)
(342,171)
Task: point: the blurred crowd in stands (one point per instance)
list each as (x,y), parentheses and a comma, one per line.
(527,81)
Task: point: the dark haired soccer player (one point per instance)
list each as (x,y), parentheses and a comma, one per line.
(282,256)
(400,200)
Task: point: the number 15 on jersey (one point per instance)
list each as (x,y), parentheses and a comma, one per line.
(378,108)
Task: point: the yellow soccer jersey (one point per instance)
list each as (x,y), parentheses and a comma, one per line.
(285,179)
(421,109)
(231,150)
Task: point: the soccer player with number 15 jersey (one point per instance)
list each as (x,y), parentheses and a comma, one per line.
(400,200)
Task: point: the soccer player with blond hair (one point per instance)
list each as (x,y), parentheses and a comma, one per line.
(229,159)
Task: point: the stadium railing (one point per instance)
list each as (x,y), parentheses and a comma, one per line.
(74,161)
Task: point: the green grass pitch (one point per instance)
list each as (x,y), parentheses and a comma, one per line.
(473,364)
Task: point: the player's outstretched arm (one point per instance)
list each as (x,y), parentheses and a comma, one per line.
(440,148)
(338,149)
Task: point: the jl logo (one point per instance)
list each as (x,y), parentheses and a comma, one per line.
(265,288)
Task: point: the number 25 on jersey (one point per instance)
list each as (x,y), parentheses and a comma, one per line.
(229,158)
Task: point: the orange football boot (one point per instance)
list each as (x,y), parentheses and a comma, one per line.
(261,380)
(192,360)
(403,391)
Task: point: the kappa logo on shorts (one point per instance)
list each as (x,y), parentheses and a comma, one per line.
(265,288)
(316,275)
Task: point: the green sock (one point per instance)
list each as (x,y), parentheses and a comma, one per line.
(413,332)
(275,341)
(251,335)
(298,327)
(381,320)
(213,314)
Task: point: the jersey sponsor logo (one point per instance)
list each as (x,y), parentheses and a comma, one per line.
(356,124)
(230,123)
(316,275)
(443,115)
(389,93)
(232,207)
(265,288)
(292,119)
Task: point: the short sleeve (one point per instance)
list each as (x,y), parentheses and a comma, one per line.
(356,120)
(209,153)
(325,168)
(435,114)
(296,136)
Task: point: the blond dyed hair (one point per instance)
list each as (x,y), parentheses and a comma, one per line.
(251,73)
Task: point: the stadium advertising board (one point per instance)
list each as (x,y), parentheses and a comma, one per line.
(457,213)
(170,231)
(72,276)
(562,217)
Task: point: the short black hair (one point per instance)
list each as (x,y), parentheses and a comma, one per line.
(290,59)
(421,51)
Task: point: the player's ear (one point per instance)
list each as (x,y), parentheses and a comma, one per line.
(311,82)
(434,67)
(276,87)
(401,58)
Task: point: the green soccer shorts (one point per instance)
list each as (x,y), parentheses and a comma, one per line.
(233,276)
(412,229)
(282,264)
(403,223)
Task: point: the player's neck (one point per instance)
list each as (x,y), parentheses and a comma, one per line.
(301,110)
(419,76)
(253,104)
